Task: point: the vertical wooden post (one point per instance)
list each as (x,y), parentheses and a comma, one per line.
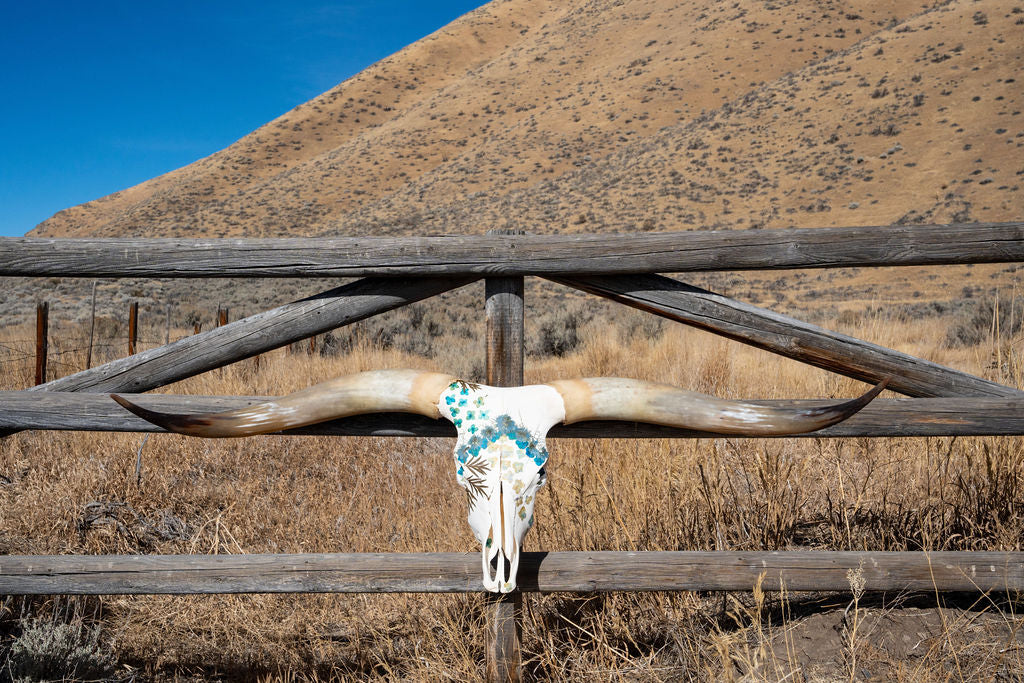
(312,345)
(167,327)
(222,320)
(92,327)
(42,339)
(133,327)
(504,331)
(505,310)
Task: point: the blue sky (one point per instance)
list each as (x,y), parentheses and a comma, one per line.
(99,96)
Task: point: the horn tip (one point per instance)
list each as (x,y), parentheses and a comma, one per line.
(169,421)
(877,389)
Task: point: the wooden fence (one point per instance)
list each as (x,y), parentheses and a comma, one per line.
(42,337)
(399,271)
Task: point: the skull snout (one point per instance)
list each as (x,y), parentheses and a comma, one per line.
(501,558)
(510,516)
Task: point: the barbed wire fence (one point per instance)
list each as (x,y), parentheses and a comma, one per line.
(70,346)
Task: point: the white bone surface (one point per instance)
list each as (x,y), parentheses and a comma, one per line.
(499,459)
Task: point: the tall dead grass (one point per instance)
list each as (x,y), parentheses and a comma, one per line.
(80,493)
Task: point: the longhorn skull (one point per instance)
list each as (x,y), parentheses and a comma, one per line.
(500,451)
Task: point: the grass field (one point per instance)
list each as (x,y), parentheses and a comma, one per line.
(78,493)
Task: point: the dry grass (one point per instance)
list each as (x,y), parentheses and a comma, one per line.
(78,493)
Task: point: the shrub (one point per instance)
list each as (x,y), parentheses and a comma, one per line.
(54,650)
(558,332)
(984,319)
(193,318)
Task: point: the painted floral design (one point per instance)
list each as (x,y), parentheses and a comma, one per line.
(491,444)
(503,431)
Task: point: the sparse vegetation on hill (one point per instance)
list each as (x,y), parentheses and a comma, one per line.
(647,115)
(642,115)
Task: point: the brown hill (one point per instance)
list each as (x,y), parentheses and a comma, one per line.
(611,115)
(605,115)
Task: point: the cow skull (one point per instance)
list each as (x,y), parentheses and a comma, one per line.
(500,451)
(499,460)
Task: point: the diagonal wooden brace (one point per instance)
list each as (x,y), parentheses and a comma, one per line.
(253,335)
(787,336)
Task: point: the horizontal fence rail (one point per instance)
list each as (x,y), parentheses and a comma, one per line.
(516,254)
(882,417)
(538,572)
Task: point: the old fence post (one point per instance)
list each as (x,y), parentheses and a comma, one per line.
(505,310)
(222,320)
(133,327)
(167,326)
(42,339)
(92,327)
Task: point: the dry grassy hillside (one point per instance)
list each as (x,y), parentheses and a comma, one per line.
(919,122)
(607,115)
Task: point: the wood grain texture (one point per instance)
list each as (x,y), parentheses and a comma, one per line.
(505,634)
(883,417)
(251,336)
(516,254)
(787,336)
(538,571)
(504,306)
(504,309)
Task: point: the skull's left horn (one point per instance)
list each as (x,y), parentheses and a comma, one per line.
(396,391)
(613,398)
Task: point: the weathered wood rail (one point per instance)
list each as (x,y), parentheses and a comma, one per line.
(786,336)
(538,572)
(399,271)
(518,255)
(883,417)
(254,335)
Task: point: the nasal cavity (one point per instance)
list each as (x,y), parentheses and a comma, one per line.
(506,566)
